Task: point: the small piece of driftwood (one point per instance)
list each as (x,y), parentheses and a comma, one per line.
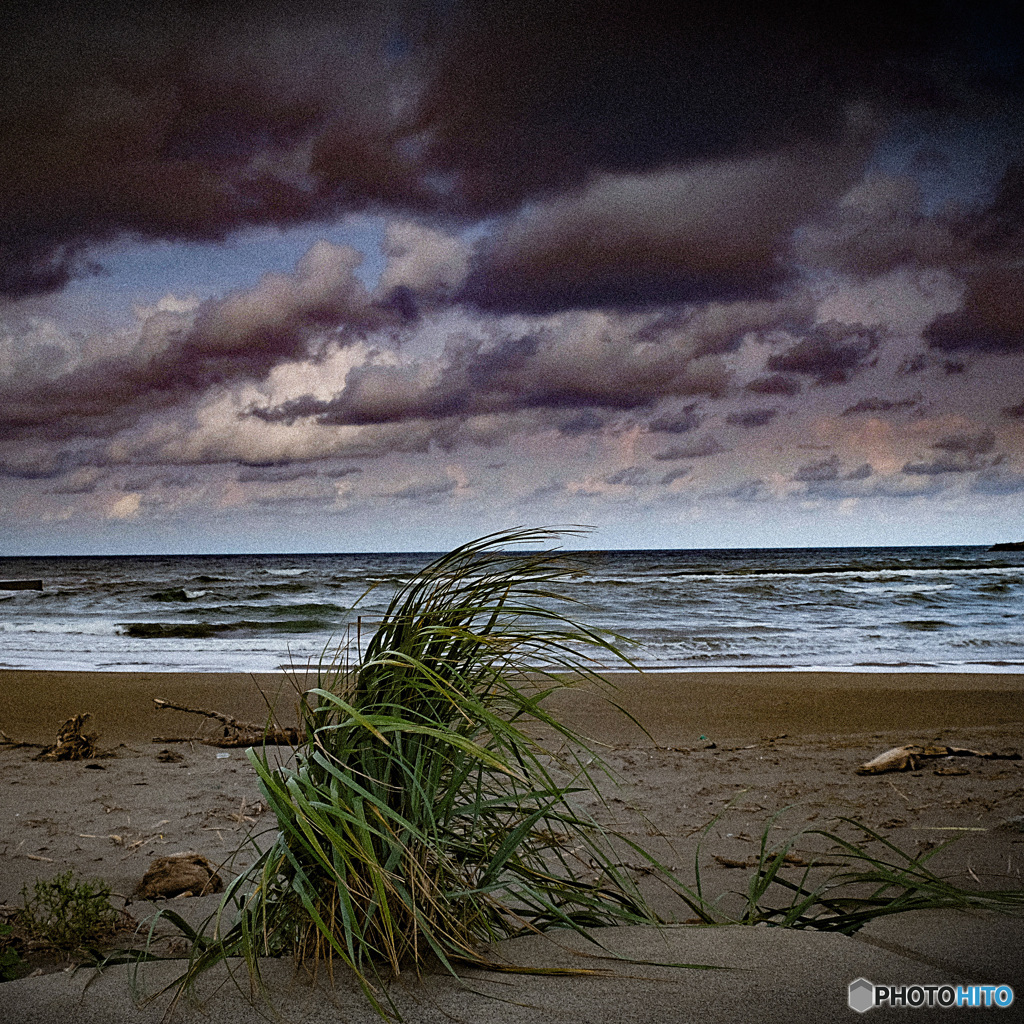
(72,743)
(908,757)
(234,732)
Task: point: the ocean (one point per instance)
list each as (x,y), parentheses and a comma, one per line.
(907,608)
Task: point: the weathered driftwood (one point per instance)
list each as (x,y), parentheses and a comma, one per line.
(72,743)
(234,733)
(10,741)
(908,757)
(180,874)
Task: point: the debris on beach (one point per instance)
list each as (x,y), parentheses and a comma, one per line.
(234,732)
(791,860)
(179,875)
(909,757)
(72,743)
(14,743)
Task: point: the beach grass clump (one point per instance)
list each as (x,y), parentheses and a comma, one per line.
(68,914)
(422,819)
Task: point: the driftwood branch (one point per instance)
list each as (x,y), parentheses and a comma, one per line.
(910,755)
(10,741)
(234,732)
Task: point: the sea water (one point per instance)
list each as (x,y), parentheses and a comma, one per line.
(907,608)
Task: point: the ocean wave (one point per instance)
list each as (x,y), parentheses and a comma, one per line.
(1002,587)
(174,594)
(863,572)
(210,630)
(278,588)
(309,609)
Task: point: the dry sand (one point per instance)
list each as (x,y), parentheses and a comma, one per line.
(740,745)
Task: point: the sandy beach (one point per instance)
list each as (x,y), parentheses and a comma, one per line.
(740,746)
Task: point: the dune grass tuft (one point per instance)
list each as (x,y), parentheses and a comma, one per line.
(422,819)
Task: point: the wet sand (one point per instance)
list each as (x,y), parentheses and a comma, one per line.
(674,707)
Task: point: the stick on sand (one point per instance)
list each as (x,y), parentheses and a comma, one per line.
(236,733)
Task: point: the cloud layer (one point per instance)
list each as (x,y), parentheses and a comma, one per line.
(732,256)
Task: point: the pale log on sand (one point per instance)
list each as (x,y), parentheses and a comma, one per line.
(235,733)
(909,756)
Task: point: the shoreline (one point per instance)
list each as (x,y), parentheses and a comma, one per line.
(674,707)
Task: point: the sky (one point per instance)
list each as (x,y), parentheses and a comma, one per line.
(388,276)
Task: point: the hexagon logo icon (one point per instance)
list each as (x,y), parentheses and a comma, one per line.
(861,995)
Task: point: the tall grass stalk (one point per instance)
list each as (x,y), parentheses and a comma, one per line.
(872,885)
(422,819)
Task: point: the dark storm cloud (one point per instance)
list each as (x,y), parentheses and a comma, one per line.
(879,405)
(184,121)
(190,121)
(751,489)
(148,477)
(631,476)
(916,363)
(585,422)
(830,354)
(880,225)
(713,231)
(991,317)
(943,464)
(675,474)
(561,89)
(275,474)
(862,472)
(751,418)
(701,449)
(76,484)
(549,369)
(427,489)
(679,422)
(178,356)
(960,453)
(1014,412)
(998,481)
(775,384)
(815,472)
(967,444)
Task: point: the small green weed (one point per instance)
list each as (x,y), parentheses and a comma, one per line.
(68,914)
(10,958)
